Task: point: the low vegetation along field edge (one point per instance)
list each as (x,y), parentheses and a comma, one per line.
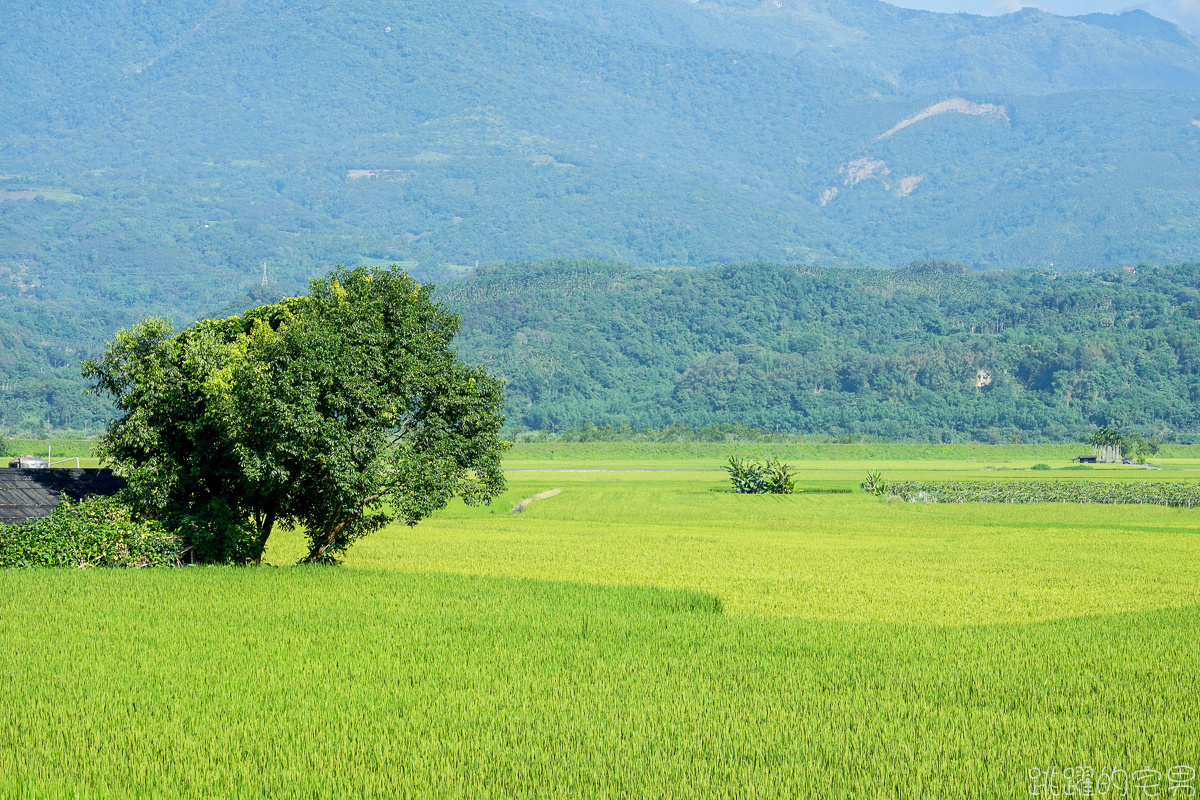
(719,452)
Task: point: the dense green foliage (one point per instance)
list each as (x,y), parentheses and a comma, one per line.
(155,156)
(748,476)
(1106,437)
(337,412)
(96,532)
(1177,494)
(1134,445)
(933,351)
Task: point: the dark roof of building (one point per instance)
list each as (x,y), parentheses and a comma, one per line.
(33,493)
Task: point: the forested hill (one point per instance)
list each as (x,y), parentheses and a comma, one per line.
(932,351)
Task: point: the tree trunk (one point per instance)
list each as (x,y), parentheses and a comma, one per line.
(316,553)
(320,547)
(264,533)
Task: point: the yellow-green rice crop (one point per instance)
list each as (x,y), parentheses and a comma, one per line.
(639,634)
(836,557)
(323,683)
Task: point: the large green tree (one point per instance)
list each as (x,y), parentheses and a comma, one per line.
(336,412)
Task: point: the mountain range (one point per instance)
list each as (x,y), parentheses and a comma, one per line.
(160,157)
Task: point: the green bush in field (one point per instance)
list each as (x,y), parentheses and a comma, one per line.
(745,475)
(752,477)
(1040,466)
(97,532)
(874,484)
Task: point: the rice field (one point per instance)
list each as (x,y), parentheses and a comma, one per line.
(641,633)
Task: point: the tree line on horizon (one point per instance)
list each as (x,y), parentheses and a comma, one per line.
(931,352)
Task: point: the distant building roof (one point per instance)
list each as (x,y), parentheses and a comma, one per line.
(34,493)
(28,462)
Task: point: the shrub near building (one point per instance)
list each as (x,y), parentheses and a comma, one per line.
(96,532)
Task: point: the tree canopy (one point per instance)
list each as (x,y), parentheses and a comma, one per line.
(336,412)
(1106,437)
(1134,445)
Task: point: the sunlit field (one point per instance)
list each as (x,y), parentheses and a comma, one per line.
(645,632)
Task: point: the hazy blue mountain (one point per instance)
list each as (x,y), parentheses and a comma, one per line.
(920,52)
(154,156)
(1184,13)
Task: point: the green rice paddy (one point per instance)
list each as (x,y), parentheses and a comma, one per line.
(643,633)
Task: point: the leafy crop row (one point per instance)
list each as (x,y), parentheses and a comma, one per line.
(1177,494)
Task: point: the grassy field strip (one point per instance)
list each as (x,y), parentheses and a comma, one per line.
(908,452)
(354,683)
(840,469)
(520,460)
(859,467)
(580,453)
(835,557)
